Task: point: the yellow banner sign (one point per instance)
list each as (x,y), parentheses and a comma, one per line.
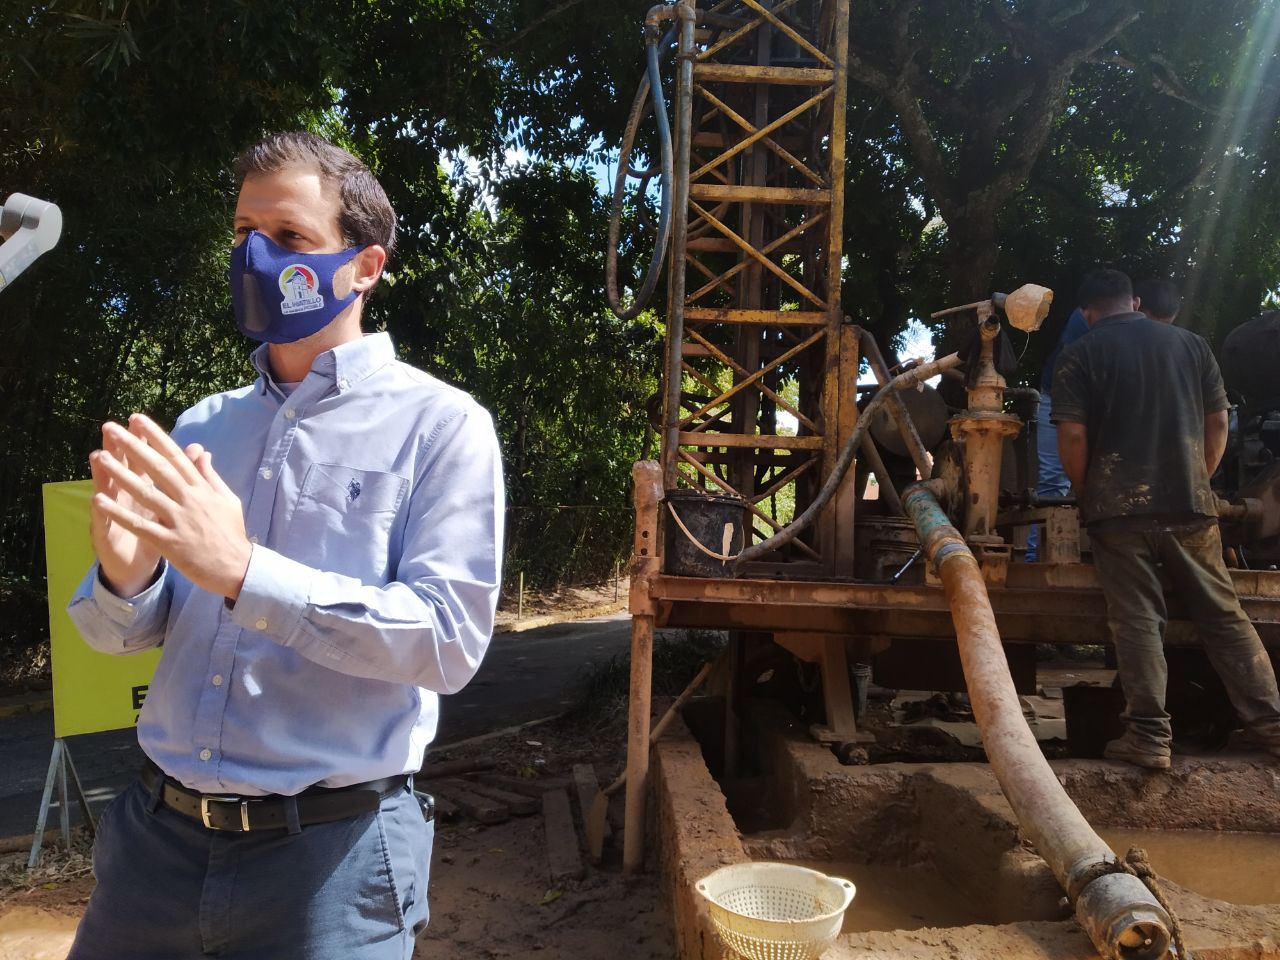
(92,691)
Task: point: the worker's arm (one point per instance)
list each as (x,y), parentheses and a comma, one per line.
(1215,439)
(1073,450)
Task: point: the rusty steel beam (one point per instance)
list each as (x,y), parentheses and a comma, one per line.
(749,441)
(720,281)
(747,73)
(1041,614)
(770,318)
(742,31)
(759,231)
(744,194)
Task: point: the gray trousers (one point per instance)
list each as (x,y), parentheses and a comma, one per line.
(1135,567)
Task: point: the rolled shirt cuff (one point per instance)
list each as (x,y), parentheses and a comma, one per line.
(274,594)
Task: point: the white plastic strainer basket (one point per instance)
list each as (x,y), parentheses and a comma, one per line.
(776,911)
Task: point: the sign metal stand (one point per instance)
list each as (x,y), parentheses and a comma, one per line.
(60,764)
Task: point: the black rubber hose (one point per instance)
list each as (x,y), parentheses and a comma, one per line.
(650,86)
(802,522)
(844,459)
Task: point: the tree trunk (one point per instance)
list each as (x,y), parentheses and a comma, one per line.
(971,255)
(970,265)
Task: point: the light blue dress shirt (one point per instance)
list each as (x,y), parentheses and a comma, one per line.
(373,496)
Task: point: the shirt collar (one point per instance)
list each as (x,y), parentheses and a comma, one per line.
(1121,317)
(346,364)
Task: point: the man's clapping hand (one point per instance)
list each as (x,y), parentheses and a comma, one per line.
(153,499)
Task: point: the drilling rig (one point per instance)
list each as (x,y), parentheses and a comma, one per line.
(760,515)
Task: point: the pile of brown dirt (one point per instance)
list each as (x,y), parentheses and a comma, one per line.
(491,896)
(565,602)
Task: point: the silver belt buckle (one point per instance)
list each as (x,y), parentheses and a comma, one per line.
(206,799)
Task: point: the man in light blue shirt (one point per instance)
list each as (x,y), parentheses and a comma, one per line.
(318,557)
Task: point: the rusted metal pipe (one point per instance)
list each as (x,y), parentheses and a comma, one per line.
(903,381)
(1120,915)
(983,428)
(897,409)
(1245,510)
(645,564)
(686,14)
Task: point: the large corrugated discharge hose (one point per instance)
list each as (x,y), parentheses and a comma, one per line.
(1120,915)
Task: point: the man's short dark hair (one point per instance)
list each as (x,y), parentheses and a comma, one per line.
(364,212)
(1160,298)
(1104,288)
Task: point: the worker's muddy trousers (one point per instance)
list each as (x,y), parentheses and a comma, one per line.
(1135,569)
(169,889)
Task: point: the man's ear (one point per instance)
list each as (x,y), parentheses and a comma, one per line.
(367,267)
(1137,304)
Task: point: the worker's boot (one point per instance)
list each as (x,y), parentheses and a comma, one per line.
(1265,737)
(1131,750)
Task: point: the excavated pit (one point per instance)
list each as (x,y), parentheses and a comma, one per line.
(940,865)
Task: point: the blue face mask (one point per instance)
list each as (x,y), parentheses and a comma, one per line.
(279,295)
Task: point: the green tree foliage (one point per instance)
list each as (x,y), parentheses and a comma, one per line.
(127,115)
(1024,139)
(988,143)
(519,317)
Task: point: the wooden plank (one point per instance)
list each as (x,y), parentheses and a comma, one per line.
(761,440)
(446,809)
(519,804)
(452,768)
(530,788)
(564,860)
(475,805)
(773,318)
(749,73)
(721,193)
(587,787)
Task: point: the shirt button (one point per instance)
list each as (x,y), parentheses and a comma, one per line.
(206,753)
(266,473)
(290,413)
(343,384)
(261,623)
(253,540)
(217,679)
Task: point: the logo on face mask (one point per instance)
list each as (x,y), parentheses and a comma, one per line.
(300,287)
(261,270)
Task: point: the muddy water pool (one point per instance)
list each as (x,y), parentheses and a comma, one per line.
(1236,867)
(899,898)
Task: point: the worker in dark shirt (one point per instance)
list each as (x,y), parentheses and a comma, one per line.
(1158,298)
(1142,423)
(1250,359)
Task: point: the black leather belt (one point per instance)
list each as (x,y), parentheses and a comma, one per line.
(239,814)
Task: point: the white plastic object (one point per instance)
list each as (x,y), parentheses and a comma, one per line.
(28,227)
(1028,306)
(776,911)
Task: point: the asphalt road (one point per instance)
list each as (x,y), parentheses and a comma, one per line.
(525,676)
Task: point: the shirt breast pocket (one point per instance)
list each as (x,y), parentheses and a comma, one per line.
(343,520)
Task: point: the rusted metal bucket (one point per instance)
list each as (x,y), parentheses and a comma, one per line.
(703,533)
